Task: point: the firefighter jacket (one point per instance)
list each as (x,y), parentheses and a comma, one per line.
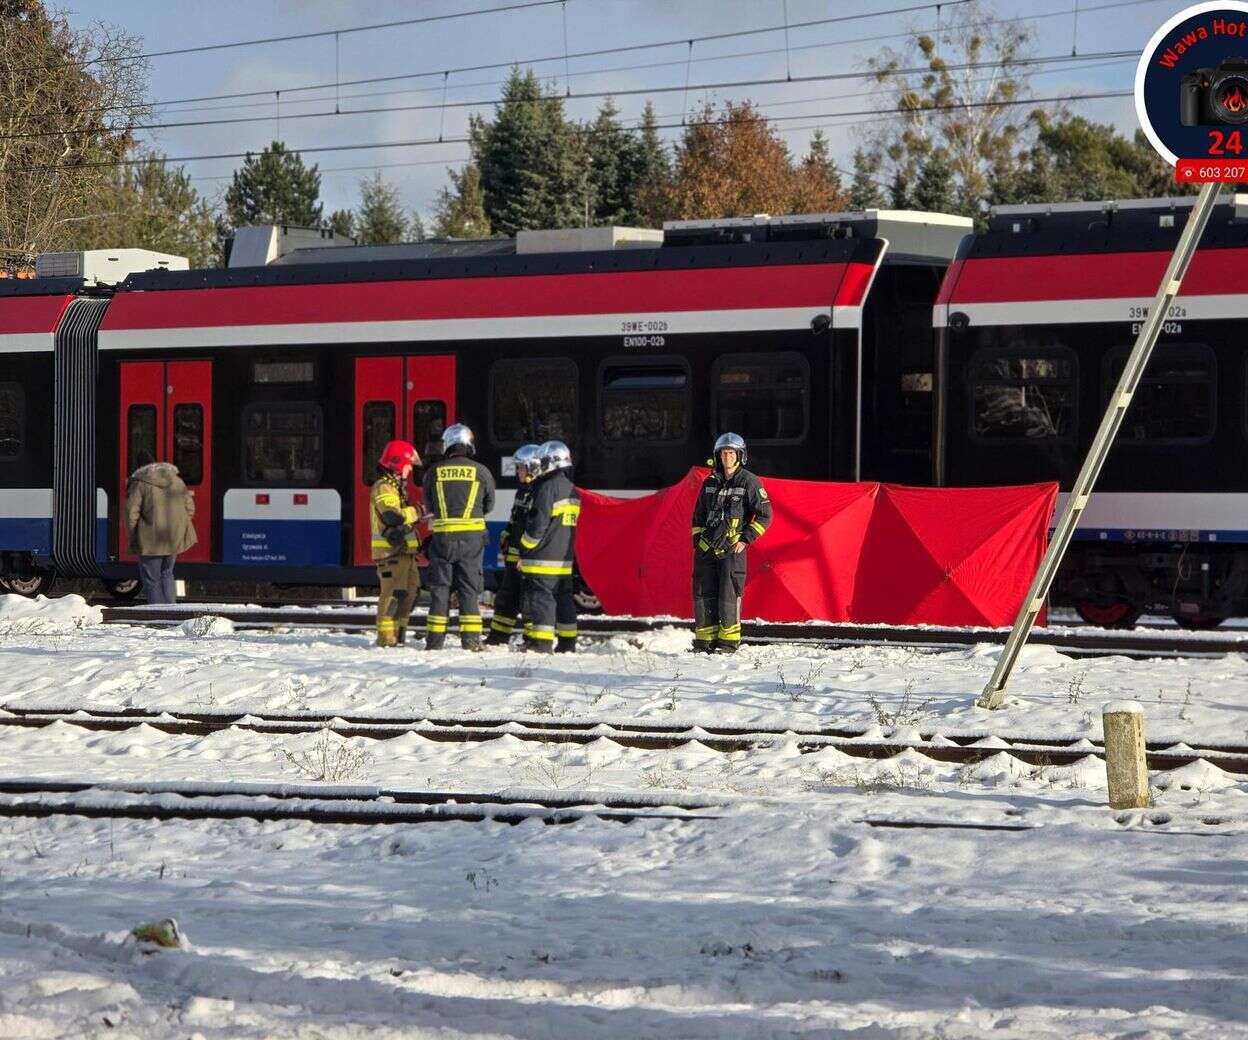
(459,493)
(548,543)
(393,521)
(730,510)
(509,543)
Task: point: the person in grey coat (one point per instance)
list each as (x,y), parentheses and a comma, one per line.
(159,509)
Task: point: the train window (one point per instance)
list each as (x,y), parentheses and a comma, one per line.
(1175,400)
(763,397)
(282,372)
(428,422)
(1023,395)
(12,419)
(282,443)
(140,434)
(645,400)
(188,442)
(533,400)
(378,432)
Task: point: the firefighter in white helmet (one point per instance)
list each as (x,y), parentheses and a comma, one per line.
(732,511)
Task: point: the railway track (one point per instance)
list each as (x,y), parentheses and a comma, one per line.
(966,749)
(1075,642)
(337,804)
(368,805)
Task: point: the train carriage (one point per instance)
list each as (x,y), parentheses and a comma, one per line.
(273,386)
(1034,324)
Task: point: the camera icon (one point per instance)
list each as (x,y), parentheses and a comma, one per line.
(1215,97)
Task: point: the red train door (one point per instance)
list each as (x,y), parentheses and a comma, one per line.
(409,398)
(166,410)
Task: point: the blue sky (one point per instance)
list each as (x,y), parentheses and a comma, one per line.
(419,172)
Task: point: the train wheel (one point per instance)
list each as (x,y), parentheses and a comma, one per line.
(123,588)
(1197,622)
(1109,615)
(36,583)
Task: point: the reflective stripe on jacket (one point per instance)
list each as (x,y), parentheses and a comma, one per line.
(510,540)
(730,510)
(459,491)
(389,512)
(548,544)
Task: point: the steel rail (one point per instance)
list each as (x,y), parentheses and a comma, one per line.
(964,749)
(823,634)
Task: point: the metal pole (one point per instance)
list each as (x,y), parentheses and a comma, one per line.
(1082,489)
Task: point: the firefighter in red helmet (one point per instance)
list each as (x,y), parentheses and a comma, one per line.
(395,542)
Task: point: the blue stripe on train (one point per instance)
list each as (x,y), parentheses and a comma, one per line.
(306,543)
(32,534)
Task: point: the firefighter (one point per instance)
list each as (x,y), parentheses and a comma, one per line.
(459,492)
(510,588)
(547,548)
(395,543)
(731,512)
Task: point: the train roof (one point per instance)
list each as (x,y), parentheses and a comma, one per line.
(1094,262)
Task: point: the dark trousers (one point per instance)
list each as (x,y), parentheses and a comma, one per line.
(507,602)
(550,609)
(156,576)
(455,561)
(718,582)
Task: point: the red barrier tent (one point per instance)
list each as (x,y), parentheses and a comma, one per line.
(835,552)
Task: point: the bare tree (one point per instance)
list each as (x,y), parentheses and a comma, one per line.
(961,109)
(69,99)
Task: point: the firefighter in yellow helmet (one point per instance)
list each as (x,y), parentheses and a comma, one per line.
(395,542)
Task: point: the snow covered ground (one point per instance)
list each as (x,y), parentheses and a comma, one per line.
(789,916)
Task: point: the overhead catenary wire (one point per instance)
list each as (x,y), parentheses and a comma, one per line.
(549,99)
(586,131)
(319,34)
(628,48)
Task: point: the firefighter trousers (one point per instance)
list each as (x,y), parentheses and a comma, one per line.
(550,611)
(399,577)
(507,602)
(455,562)
(718,582)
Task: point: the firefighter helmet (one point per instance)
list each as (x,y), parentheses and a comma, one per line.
(397,454)
(555,455)
(530,457)
(458,435)
(732,441)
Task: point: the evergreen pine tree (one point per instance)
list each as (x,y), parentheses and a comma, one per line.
(380,220)
(899,191)
(149,205)
(460,213)
(616,166)
(342,222)
(532,161)
(654,174)
(864,191)
(934,189)
(819,161)
(274,187)
(416,227)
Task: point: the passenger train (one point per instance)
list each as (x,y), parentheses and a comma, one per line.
(878,345)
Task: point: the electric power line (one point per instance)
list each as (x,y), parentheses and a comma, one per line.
(586,131)
(559,98)
(632,48)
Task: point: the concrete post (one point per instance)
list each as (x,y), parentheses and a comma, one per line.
(350,594)
(179,589)
(1125,765)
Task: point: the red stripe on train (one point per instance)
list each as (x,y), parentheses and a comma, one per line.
(27,314)
(1089,276)
(633,292)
